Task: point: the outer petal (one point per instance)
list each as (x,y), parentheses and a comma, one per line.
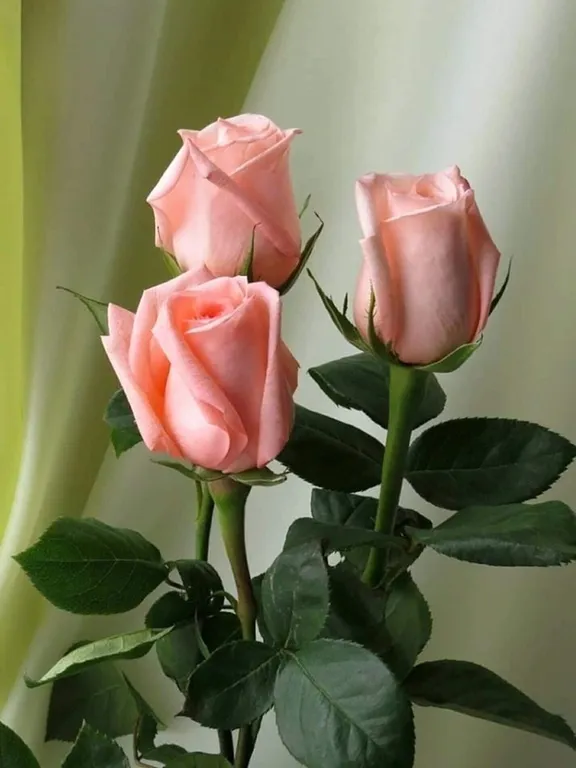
(196,409)
(250,206)
(234,141)
(429,250)
(376,275)
(276,414)
(149,420)
(170,200)
(486,258)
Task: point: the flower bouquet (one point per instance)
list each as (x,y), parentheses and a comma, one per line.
(329,636)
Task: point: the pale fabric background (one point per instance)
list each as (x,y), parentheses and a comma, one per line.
(376,84)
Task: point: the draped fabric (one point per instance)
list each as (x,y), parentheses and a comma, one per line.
(376,85)
(105,85)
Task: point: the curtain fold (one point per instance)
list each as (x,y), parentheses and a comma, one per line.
(11,262)
(105,86)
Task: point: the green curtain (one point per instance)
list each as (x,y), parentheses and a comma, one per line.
(11,262)
(86,225)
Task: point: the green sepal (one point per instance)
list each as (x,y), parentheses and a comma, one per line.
(247,268)
(500,294)
(191,471)
(342,323)
(262,476)
(454,360)
(305,205)
(304,258)
(98,309)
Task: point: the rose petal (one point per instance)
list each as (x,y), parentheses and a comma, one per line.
(213,428)
(429,250)
(117,344)
(486,258)
(375,275)
(276,411)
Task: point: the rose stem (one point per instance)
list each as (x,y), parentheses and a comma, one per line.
(406,386)
(230,498)
(204,515)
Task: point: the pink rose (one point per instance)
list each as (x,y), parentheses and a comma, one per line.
(429,260)
(227,179)
(205,371)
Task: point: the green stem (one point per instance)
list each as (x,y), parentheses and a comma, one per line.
(204,514)
(406,385)
(226,745)
(230,498)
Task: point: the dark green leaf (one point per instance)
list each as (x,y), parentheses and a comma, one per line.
(257,590)
(362,382)
(468,462)
(337,537)
(335,508)
(409,623)
(306,253)
(220,629)
(473,690)
(14,753)
(201,581)
(514,534)
(233,686)
(97,309)
(94,750)
(338,705)
(144,742)
(497,298)
(99,695)
(454,360)
(169,610)
(128,646)
(87,567)
(295,595)
(357,611)
(332,454)
(179,654)
(119,417)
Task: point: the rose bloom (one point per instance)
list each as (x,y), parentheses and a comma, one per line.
(205,371)
(429,259)
(229,181)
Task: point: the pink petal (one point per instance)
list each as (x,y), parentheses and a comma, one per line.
(486,258)
(433,275)
(117,345)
